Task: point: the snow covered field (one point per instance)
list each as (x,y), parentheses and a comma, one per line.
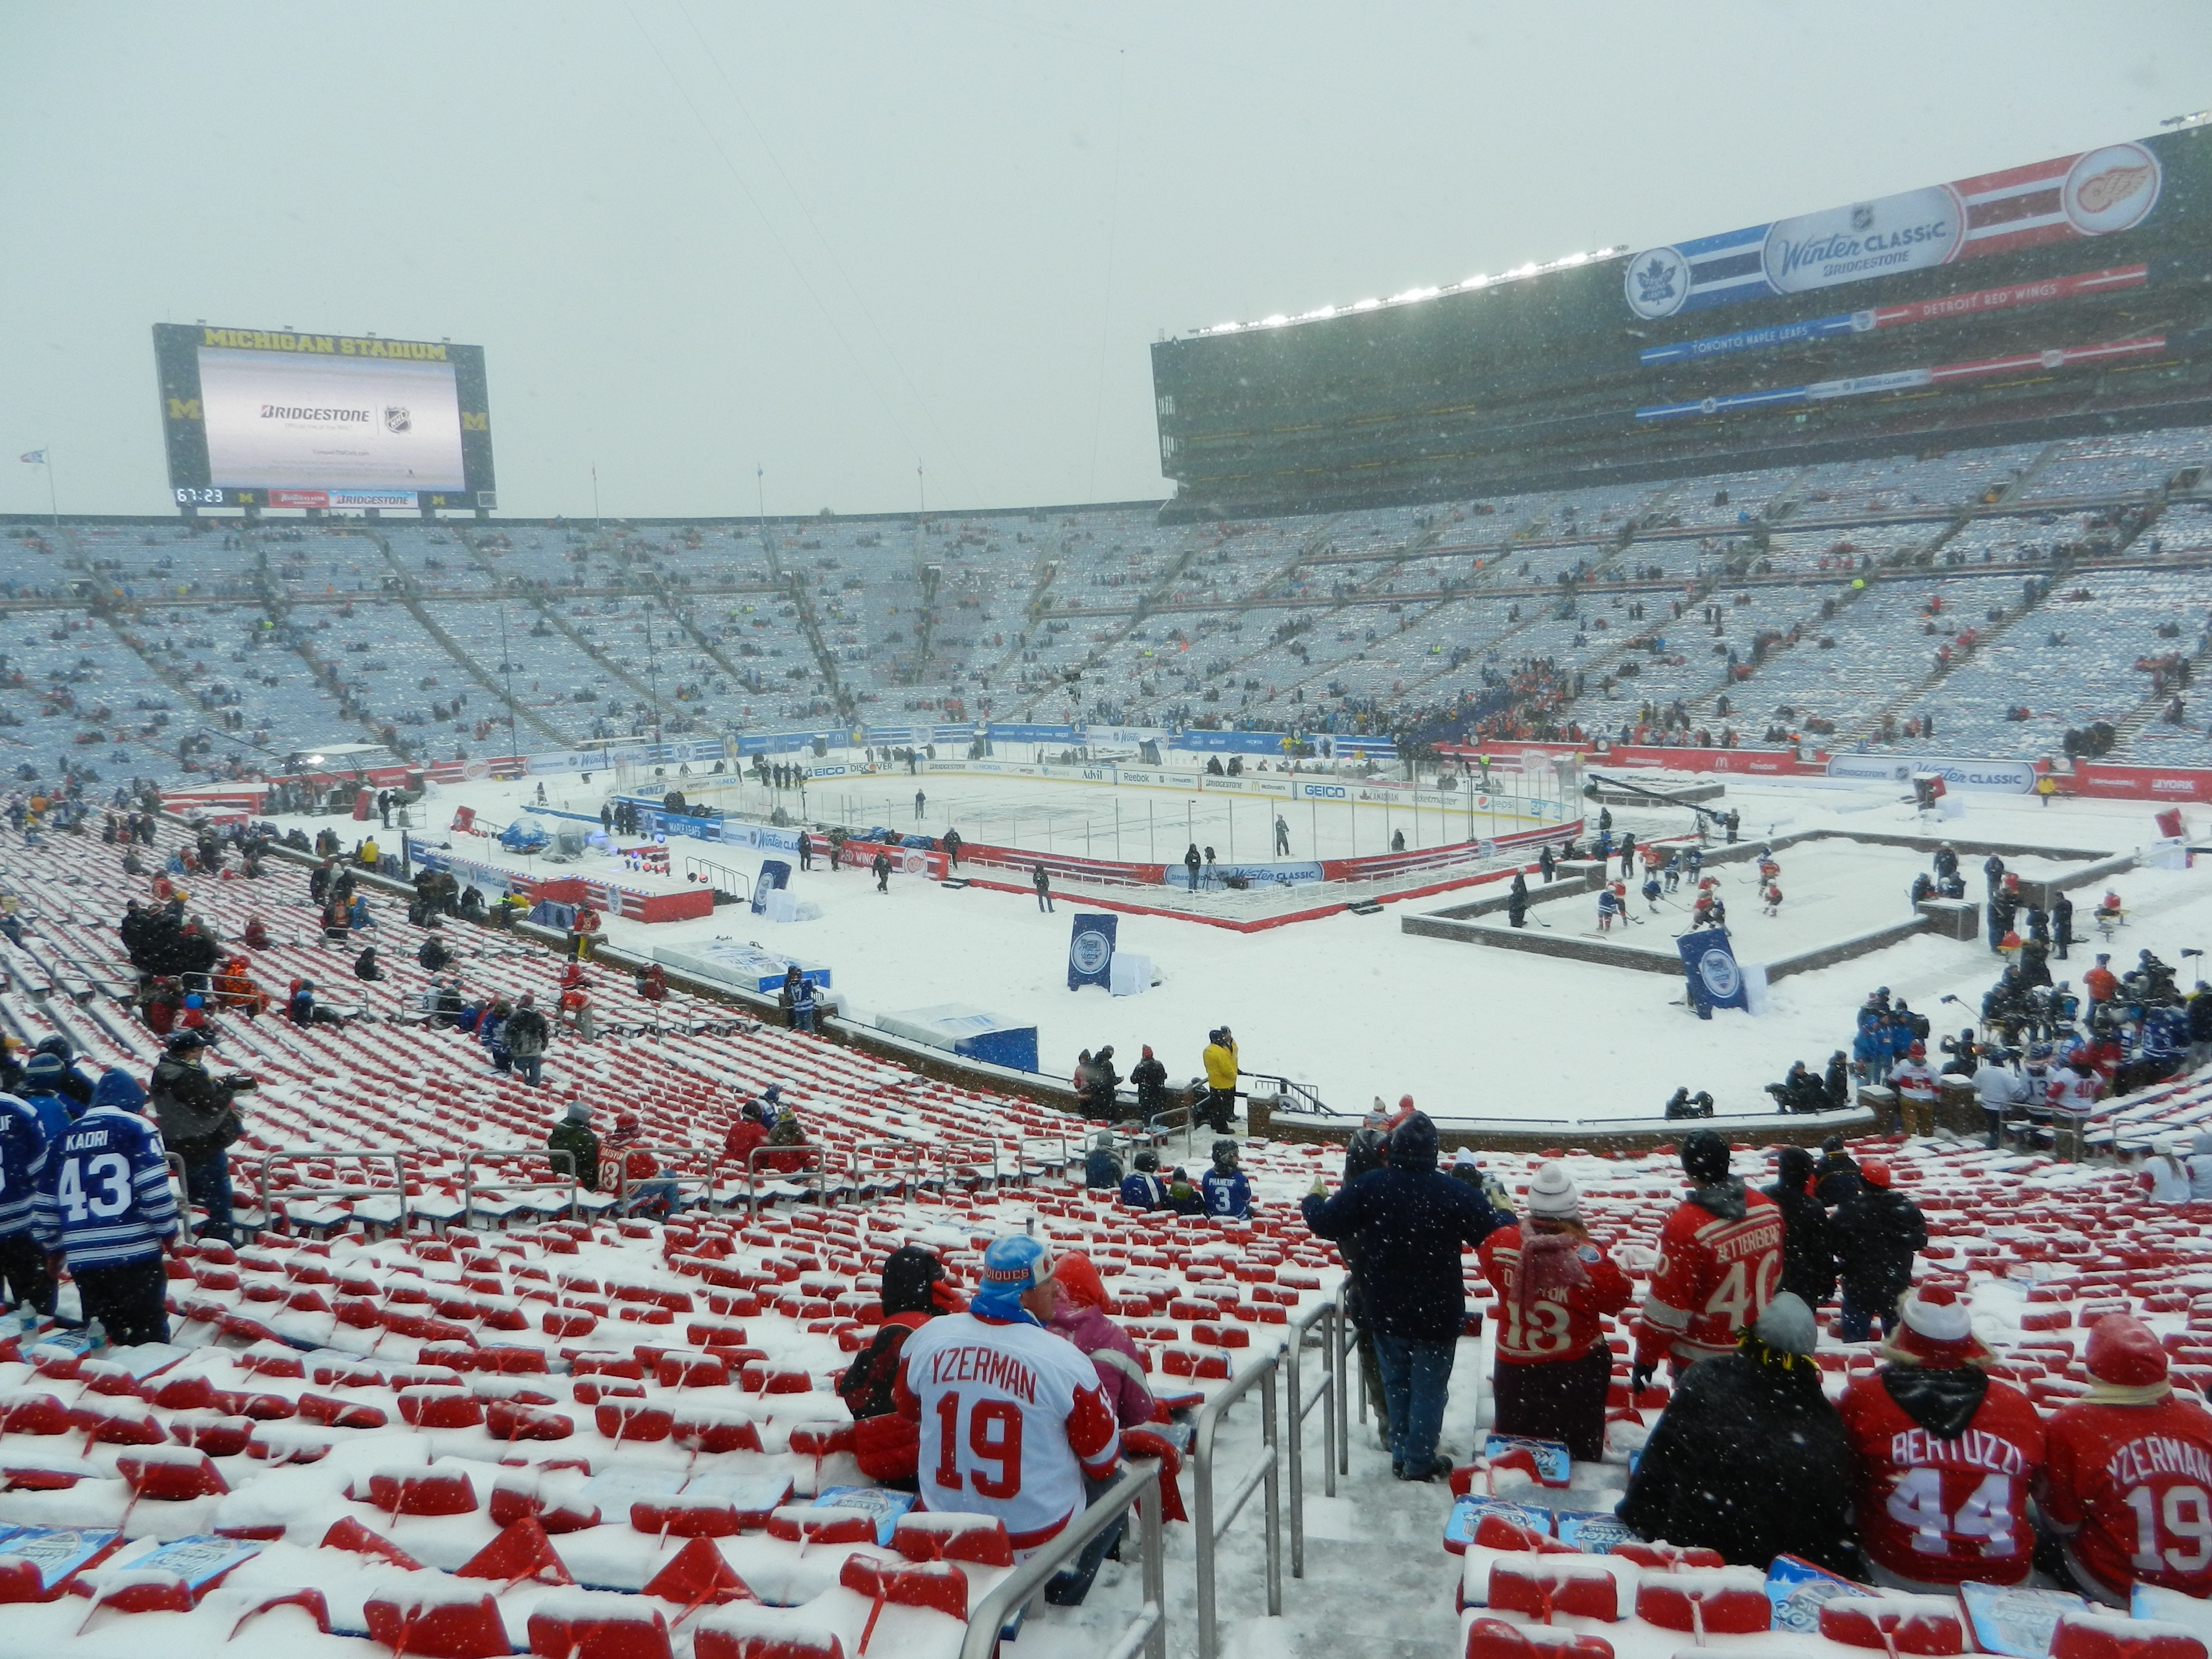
(1360,1009)
(1136,822)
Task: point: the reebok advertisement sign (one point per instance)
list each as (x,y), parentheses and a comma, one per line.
(279,420)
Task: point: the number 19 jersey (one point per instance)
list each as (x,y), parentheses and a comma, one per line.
(1013,1417)
(2137,1482)
(1937,1509)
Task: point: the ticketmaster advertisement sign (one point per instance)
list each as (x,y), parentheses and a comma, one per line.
(1987,777)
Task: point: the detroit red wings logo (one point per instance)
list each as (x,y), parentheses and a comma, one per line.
(2101,192)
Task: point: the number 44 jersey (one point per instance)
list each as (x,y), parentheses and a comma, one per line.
(1942,1459)
(1013,1417)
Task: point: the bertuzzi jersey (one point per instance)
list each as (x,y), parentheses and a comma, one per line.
(2137,1482)
(1012,1419)
(1933,1510)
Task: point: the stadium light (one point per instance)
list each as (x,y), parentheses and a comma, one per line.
(1414,295)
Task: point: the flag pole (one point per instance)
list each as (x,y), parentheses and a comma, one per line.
(53,508)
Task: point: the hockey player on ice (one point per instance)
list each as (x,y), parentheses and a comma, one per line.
(1607,908)
(1771,900)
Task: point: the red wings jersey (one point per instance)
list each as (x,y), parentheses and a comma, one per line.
(1008,1412)
(1914,1081)
(2138,1482)
(1713,1277)
(1939,1511)
(1560,1324)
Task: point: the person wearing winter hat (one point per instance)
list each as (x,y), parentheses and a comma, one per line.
(1749,1458)
(1554,1288)
(1408,1223)
(1876,1233)
(1942,1455)
(915,1289)
(2126,1471)
(1466,1168)
(1012,1419)
(1809,1265)
(1142,1188)
(1150,1079)
(1227,1193)
(573,1135)
(1102,1166)
(1720,1260)
(1079,1315)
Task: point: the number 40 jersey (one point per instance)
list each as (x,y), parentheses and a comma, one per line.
(1008,1413)
(1720,1258)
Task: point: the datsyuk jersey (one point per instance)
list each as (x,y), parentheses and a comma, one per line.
(1008,1410)
(2138,1482)
(1714,1277)
(1559,1324)
(1942,1511)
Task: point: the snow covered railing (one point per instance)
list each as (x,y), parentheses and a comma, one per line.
(1327,1394)
(1139,1484)
(1260,1374)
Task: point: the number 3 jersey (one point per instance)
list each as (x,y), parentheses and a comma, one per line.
(2136,1481)
(1013,1417)
(104,1197)
(1720,1258)
(1941,1462)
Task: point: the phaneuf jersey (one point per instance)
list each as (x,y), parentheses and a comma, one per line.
(1940,1511)
(2137,1482)
(1012,1419)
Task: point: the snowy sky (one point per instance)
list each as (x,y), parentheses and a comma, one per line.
(834,240)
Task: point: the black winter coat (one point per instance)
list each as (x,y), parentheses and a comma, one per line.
(1151,1080)
(1751,1460)
(1876,1233)
(1809,1269)
(1407,1223)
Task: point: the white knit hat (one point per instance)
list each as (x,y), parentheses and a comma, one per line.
(1551,1194)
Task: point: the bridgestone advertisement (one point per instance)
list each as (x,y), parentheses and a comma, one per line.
(276,420)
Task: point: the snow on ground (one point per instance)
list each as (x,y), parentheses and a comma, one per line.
(1356,1007)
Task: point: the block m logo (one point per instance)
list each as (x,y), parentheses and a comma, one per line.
(184,408)
(477,422)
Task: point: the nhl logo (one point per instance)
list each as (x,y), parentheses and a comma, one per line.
(398,420)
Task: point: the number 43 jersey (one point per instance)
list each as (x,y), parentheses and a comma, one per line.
(104,1197)
(1942,1469)
(1013,1417)
(2136,1481)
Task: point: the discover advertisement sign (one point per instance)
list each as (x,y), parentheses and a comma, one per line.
(1988,777)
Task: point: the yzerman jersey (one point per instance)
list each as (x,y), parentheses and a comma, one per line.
(1714,1277)
(1559,1324)
(1932,1510)
(1013,1417)
(2136,1481)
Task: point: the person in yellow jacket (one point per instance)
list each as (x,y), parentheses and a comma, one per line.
(1219,1106)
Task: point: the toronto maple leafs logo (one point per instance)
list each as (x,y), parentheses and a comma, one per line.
(1658,281)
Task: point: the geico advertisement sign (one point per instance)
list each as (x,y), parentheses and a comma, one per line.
(1995,777)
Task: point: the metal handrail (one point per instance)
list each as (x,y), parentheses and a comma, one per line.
(904,1168)
(1266,1472)
(952,1154)
(819,1171)
(399,1155)
(625,1185)
(1147,1632)
(1326,1314)
(1300,1098)
(571,1182)
(1022,1153)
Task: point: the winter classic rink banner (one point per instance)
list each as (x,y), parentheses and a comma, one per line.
(1708,962)
(1090,950)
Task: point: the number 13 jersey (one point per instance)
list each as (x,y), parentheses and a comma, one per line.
(1013,1417)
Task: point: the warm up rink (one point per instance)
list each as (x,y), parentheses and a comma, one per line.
(1354,1006)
